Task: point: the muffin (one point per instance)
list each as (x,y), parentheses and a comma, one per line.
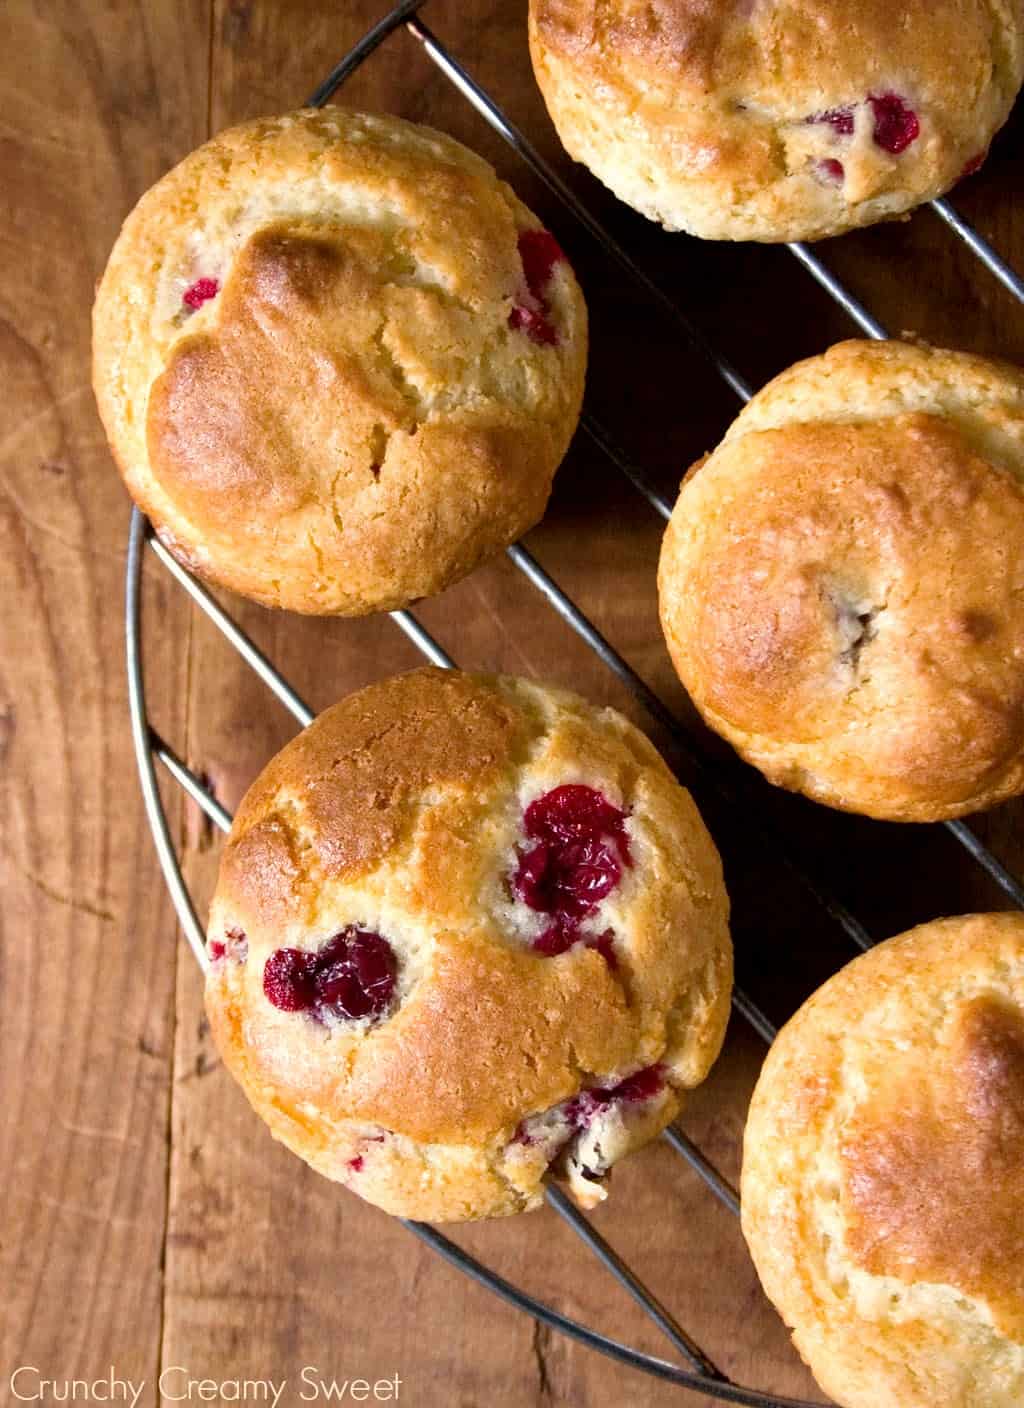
(882,1194)
(842,581)
(784,121)
(337,360)
(468,930)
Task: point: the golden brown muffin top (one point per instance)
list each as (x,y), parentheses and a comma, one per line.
(932,1165)
(842,580)
(401,810)
(882,1195)
(747,120)
(322,364)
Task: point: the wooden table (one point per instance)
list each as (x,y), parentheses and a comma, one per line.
(150,1222)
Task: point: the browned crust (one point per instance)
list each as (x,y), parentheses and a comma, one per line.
(882,1198)
(841,585)
(405,802)
(351,423)
(699,112)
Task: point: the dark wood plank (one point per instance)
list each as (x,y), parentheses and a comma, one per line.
(96,101)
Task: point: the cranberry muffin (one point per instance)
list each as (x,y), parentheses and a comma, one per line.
(467,931)
(337,360)
(882,1194)
(842,581)
(782,121)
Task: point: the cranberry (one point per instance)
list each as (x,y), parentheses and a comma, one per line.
(234,945)
(555,939)
(832,170)
(975,164)
(289,979)
(356,1164)
(634,1090)
(580,1111)
(576,813)
(568,879)
(200,292)
(352,975)
(896,125)
(642,1085)
(539,252)
(536,325)
(580,847)
(839,119)
(604,945)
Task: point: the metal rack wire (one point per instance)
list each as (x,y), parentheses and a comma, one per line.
(700,1373)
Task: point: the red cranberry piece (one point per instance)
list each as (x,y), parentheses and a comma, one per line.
(556,939)
(355,974)
(352,975)
(896,125)
(975,164)
(832,170)
(540,252)
(289,979)
(574,812)
(570,879)
(580,848)
(356,1164)
(839,119)
(642,1085)
(582,1108)
(536,325)
(604,945)
(634,1090)
(234,945)
(200,292)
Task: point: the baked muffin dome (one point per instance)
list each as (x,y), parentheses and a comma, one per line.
(337,360)
(842,581)
(783,121)
(467,928)
(882,1191)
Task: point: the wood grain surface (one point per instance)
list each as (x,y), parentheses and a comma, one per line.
(149,1221)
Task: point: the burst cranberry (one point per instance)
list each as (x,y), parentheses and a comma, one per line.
(580,1111)
(568,879)
(352,975)
(539,252)
(355,974)
(604,945)
(839,119)
(200,292)
(537,326)
(556,939)
(896,125)
(975,164)
(579,850)
(642,1085)
(356,1164)
(832,170)
(634,1090)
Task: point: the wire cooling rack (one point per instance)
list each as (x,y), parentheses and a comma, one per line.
(700,1373)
